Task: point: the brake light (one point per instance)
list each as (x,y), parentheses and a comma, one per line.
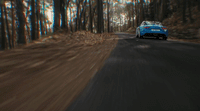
(165,29)
(146,27)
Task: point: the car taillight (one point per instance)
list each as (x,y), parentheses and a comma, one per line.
(165,29)
(146,27)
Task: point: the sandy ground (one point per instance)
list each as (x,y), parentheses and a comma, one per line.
(49,76)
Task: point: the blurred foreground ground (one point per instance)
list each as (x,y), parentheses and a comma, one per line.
(49,73)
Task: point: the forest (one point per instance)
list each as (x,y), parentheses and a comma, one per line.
(23,21)
(83,55)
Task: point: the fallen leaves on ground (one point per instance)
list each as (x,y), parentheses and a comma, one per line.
(49,73)
(184,31)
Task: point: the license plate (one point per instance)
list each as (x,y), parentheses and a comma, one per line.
(155,29)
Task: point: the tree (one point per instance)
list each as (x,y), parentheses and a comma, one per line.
(33,20)
(7,26)
(136,23)
(44,17)
(91,25)
(38,18)
(56,15)
(77,14)
(3,30)
(132,14)
(21,20)
(13,24)
(62,3)
(184,9)
(155,9)
(27,24)
(108,17)
(68,1)
(190,13)
(84,16)
(100,16)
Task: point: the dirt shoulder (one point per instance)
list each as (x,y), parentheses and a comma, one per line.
(50,75)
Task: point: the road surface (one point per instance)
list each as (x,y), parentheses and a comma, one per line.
(145,75)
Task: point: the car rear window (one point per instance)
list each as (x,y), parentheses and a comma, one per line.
(152,23)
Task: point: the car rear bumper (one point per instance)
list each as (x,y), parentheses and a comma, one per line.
(152,33)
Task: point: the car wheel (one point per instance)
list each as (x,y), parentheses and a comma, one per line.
(141,37)
(164,38)
(136,35)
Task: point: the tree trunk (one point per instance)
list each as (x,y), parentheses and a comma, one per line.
(129,19)
(141,11)
(100,16)
(165,13)
(102,20)
(84,17)
(33,20)
(190,13)
(62,3)
(155,8)
(13,25)
(27,25)
(161,11)
(41,25)
(178,3)
(136,23)
(3,30)
(41,21)
(184,9)
(80,20)
(45,23)
(21,19)
(8,29)
(91,25)
(77,15)
(56,15)
(99,22)
(198,4)
(0,28)
(38,18)
(120,23)
(70,19)
(108,17)
(158,11)
(132,13)
(67,15)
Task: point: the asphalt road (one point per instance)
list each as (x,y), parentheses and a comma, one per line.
(145,75)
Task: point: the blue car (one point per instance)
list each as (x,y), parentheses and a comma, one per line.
(151,29)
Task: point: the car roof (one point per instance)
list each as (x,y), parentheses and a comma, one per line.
(151,21)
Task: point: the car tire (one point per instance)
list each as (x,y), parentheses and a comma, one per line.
(141,37)
(164,38)
(136,36)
